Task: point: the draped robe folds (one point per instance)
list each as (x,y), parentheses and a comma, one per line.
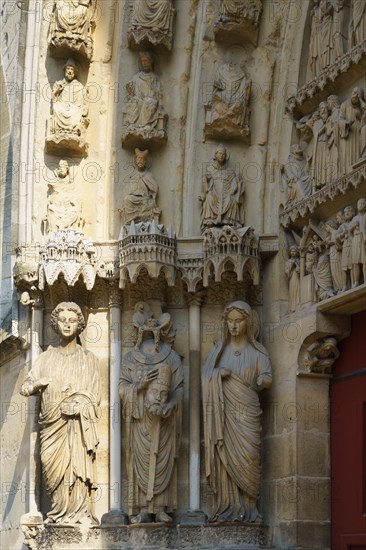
(232,428)
(63,209)
(68,107)
(68,417)
(140,431)
(326,38)
(358,20)
(323,278)
(320,156)
(299,182)
(144,100)
(315,42)
(224,189)
(358,239)
(335,261)
(332,131)
(231,94)
(151,15)
(140,203)
(350,133)
(293,282)
(72,16)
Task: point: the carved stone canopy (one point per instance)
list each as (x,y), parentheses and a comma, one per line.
(228,244)
(150,246)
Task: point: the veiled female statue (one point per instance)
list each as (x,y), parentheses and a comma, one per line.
(67,378)
(236,370)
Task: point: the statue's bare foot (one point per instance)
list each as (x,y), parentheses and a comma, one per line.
(163,518)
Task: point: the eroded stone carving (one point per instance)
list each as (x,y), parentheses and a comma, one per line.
(222,203)
(144,119)
(67,378)
(66,129)
(71,27)
(350,116)
(292,270)
(139,204)
(338,38)
(335,249)
(238,19)
(344,239)
(296,175)
(26,281)
(63,206)
(227,113)
(321,355)
(234,373)
(357,30)
(151,23)
(151,389)
(357,229)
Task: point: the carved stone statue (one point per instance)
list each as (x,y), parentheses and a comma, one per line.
(227,113)
(321,355)
(151,23)
(222,203)
(236,370)
(63,207)
(67,378)
(238,19)
(292,271)
(338,38)
(357,31)
(139,205)
(363,136)
(350,116)
(296,176)
(335,253)
(344,239)
(322,273)
(144,119)
(236,10)
(151,389)
(326,28)
(358,231)
(332,131)
(315,40)
(68,123)
(71,26)
(320,153)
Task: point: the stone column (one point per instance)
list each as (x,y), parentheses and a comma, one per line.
(194,515)
(115,514)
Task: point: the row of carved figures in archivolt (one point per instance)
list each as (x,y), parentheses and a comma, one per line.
(335,142)
(328,37)
(329,258)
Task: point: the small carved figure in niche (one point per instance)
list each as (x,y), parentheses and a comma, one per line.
(321,272)
(151,389)
(332,131)
(71,26)
(236,370)
(292,271)
(350,116)
(344,238)
(139,205)
(144,321)
(326,38)
(363,136)
(69,111)
(143,112)
(237,10)
(222,203)
(315,47)
(358,231)
(63,207)
(320,153)
(296,175)
(338,38)
(357,30)
(335,253)
(67,378)
(321,355)
(227,113)
(151,22)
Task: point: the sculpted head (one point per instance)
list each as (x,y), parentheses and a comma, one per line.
(293,251)
(157,393)
(63,169)
(361,204)
(357,95)
(67,320)
(323,110)
(349,212)
(221,154)
(238,320)
(296,151)
(141,158)
(333,102)
(71,70)
(147,62)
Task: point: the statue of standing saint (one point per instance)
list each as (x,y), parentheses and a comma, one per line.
(151,389)
(222,203)
(68,381)
(236,370)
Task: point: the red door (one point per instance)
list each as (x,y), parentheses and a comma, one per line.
(348,441)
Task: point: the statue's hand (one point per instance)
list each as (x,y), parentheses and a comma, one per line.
(225,373)
(147,377)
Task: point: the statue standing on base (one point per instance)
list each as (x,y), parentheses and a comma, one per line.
(236,370)
(151,389)
(67,378)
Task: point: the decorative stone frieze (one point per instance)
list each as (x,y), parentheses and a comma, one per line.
(71,28)
(230,245)
(151,24)
(148,246)
(347,68)
(70,254)
(238,21)
(227,112)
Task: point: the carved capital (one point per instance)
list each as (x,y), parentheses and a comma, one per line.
(115,298)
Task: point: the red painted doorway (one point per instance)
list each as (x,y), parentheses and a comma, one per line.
(348,440)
